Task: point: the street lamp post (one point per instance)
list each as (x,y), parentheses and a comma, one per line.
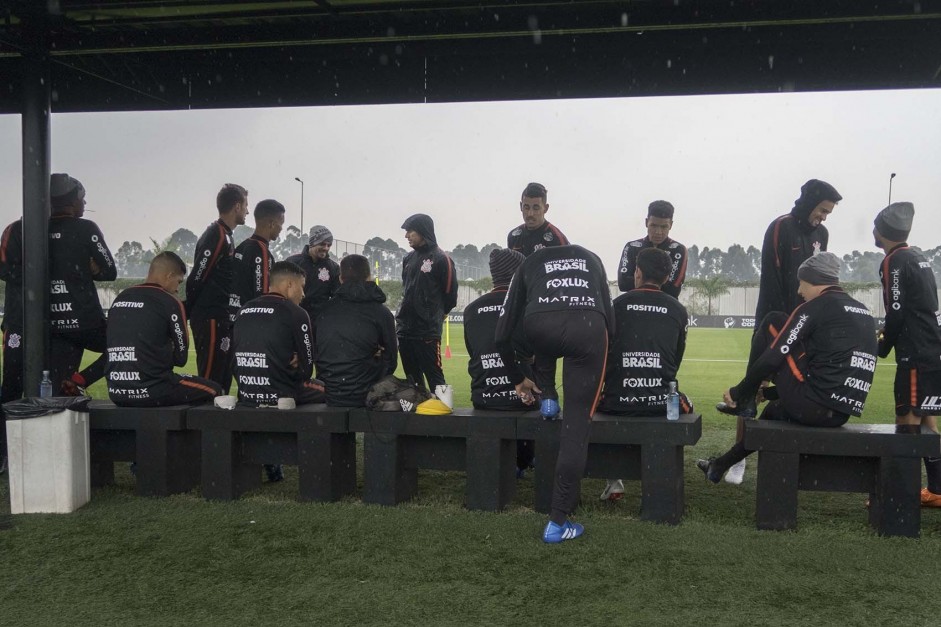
(302,203)
(891,176)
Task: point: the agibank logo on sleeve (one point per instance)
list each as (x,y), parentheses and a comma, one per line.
(793,334)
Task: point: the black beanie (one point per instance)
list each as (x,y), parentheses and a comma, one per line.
(895,221)
(503,265)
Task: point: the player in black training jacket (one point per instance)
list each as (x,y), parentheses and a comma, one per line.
(147,337)
(789,240)
(913,329)
(78,256)
(211,297)
(535,232)
(821,359)
(560,296)
(323,273)
(429,293)
(355,331)
(273,344)
(252,258)
(648,345)
(490,380)
(659,222)
(11,272)
(647,349)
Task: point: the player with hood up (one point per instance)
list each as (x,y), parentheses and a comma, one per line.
(429,292)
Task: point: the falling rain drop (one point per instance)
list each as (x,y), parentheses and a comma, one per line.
(669,63)
(623,19)
(770,61)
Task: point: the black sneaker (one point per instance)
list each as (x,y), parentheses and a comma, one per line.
(725,408)
(709,468)
(275,472)
(745,411)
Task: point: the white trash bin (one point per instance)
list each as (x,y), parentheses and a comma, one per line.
(49,463)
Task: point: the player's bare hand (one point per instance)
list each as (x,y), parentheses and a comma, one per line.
(727,397)
(525,390)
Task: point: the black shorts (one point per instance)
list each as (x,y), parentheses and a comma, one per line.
(917,391)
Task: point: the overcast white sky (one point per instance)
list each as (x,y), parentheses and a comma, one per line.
(729,164)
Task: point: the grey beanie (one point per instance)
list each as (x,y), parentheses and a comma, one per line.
(61,184)
(895,221)
(820,269)
(503,265)
(320,234)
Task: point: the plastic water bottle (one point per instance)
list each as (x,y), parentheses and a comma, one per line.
(45,387)
(673,402)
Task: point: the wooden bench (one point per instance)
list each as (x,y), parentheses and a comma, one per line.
(397,444)
(649,449)
(237,442)
(873,459)
(158,439)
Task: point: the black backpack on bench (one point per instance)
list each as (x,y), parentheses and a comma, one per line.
(394,394)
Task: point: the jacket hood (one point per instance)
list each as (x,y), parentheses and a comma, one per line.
(423,225)
(813,192)
(360,292)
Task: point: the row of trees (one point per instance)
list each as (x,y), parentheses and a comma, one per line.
(737,265)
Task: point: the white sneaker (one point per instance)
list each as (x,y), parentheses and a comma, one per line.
(736,474)
(613,491)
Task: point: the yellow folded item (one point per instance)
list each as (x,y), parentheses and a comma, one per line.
(433,407)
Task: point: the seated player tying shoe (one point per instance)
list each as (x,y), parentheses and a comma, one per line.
(821,359)
(648,347)
(147,337)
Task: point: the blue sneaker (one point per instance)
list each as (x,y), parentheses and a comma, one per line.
(549,408)
(554,534)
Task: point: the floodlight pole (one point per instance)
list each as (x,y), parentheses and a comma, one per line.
(302,204)
(891,176)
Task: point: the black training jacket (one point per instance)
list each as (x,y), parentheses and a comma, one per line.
(678,257)
(323,279)
(558,279)
(646,351)
(490,380)
(251,266)
(73,298)
(429,287)
(788,242)
(529,241)
(356,344)
(912,319)
(11,272)
(269,332)
(210,288)
(828,343)
(147,337)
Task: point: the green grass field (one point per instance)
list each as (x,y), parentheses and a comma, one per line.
(267,559)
